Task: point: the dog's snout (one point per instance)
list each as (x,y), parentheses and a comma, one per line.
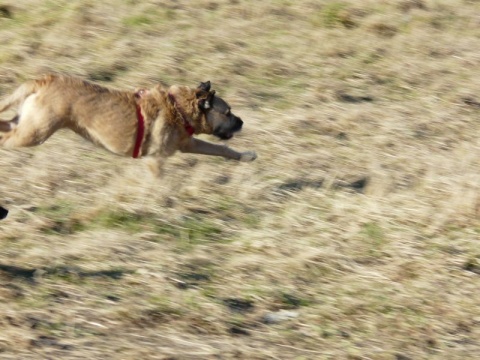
(228,127)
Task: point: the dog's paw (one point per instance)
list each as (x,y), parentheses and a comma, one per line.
(248,156)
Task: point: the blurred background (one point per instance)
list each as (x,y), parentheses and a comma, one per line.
(354,235)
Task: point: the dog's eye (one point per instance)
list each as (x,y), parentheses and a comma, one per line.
(228,113)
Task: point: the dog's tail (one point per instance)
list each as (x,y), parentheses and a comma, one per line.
(19,95)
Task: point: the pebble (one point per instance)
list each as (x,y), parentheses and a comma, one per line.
(279,316)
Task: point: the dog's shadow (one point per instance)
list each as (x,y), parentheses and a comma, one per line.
(67,272)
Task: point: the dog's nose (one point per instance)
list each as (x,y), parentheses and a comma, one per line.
(239,124)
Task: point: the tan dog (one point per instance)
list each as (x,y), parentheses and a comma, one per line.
(152,123)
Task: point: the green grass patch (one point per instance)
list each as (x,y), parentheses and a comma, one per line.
(138,20)
(193,231)
(288,300)
(152,18)
(374,236)
(373,231)
(330,15)
(230,208)
(129,221)
(65,218)
(163,305)
(60,219)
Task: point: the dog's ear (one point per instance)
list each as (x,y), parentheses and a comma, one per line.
(204,95)
(204,86)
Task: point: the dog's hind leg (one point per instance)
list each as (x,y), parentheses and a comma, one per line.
(23,135)
(32,127)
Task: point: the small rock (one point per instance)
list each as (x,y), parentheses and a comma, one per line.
(279,316)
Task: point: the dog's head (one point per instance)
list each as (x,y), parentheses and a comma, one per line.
(217,112)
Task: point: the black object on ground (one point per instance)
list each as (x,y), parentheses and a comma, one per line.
(3,213)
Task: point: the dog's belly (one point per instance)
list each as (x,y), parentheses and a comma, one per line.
(113,133)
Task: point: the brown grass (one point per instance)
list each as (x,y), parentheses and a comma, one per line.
(360,216)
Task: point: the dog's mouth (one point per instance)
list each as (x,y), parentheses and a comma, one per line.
(225,136)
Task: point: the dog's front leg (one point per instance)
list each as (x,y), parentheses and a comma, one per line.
(156,165)
(197,146)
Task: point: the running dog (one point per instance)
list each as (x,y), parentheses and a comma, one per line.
(152,123)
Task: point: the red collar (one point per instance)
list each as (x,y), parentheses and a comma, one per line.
(188,127)
(140,133)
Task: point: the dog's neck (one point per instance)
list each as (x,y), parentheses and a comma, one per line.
(187,124)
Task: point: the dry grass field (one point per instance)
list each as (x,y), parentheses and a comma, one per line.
(354,235)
